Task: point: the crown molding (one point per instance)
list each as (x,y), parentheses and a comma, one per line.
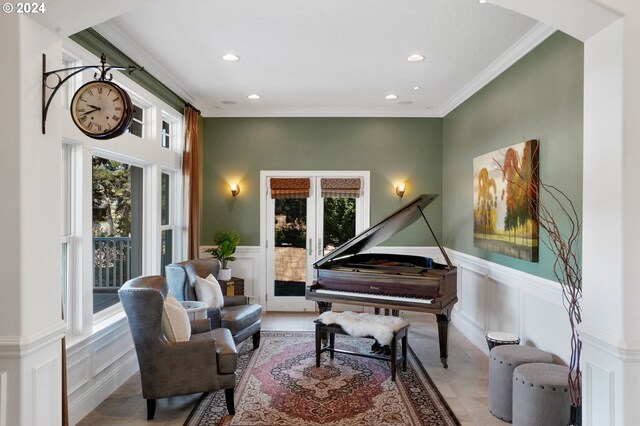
(115,35)
(321,112)
(539,33)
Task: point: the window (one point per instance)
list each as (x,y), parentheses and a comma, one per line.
(66,229)
(137,123)
(117,228)
(168,227)
(166,134)
(112,227)
(67,91)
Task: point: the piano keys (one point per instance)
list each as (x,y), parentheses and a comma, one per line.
(389,281)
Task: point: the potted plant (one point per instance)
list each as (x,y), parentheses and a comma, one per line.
(226,243)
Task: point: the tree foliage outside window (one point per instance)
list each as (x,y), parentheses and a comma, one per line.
(291,222)
(111,198)
(339,220)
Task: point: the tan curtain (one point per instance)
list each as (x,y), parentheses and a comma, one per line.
(340,187)
(191,180)
(290,187)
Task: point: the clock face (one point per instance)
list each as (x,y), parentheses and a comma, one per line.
(101,109)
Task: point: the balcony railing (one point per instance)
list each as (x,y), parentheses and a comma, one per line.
(111,262)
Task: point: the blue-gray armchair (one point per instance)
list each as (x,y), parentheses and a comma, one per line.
(238,315)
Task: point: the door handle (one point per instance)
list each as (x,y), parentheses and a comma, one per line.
(310,249)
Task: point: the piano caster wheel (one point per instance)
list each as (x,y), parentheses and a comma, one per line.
(444,362)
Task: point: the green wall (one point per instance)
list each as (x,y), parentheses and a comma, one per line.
(392,149)
(540,97)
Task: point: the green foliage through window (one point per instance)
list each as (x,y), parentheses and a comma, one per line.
(339,220)
(111,198)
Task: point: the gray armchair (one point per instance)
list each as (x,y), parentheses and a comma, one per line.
(238,315)
(206,363)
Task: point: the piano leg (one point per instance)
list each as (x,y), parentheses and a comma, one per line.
(443,335)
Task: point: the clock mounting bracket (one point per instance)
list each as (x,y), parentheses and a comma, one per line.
(103,73)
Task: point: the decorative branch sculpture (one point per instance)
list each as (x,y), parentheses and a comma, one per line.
(560,223)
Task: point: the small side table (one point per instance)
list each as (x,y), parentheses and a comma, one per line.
(234,286)
(499,338)
(195,310)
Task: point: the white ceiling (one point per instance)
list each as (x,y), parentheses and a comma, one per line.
(324,57)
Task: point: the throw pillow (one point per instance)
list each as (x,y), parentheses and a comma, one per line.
(175,320)
(208,291)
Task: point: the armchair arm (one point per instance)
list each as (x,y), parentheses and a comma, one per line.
(200,326)
(215,316)
(235,300)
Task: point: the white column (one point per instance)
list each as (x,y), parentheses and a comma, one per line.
(30,252)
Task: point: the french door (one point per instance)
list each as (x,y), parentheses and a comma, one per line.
(303,225)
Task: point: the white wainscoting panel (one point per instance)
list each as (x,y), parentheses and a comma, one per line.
(78,373)
(97,365)
(46,393)
(472,296)
(503,307)
(599,388)
(493,297)
(30,377)
(111,349)
(545,325)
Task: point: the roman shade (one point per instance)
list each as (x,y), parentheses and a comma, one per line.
(289,187)
(340,187)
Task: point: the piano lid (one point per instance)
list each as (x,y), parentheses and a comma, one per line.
(385,229)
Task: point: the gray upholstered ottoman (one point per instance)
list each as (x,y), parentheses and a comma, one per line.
(541,395)
(502,361)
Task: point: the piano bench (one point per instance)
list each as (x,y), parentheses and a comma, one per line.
(333,329)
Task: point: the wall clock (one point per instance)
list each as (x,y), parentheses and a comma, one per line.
(101,109)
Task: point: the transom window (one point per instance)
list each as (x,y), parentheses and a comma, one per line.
(137,123)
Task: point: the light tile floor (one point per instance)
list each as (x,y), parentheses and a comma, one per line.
(464,384)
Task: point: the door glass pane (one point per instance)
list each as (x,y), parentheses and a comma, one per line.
(117,229)
(339,224)
(290,246)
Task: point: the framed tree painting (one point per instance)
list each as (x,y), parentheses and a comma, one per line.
(505,200)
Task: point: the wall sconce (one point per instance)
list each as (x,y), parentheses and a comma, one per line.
(235,189)
(400,190)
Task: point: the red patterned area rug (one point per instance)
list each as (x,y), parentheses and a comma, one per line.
(279,384)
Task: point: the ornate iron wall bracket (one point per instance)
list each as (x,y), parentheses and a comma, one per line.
(103,73)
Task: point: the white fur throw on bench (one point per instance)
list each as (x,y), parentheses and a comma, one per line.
(355,324)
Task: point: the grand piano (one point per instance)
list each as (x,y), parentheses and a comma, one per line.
(389,281)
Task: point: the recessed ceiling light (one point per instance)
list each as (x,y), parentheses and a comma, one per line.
(416,87)
(253,97)
(482,1)
(415,58)
(230,57)
(390,97)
